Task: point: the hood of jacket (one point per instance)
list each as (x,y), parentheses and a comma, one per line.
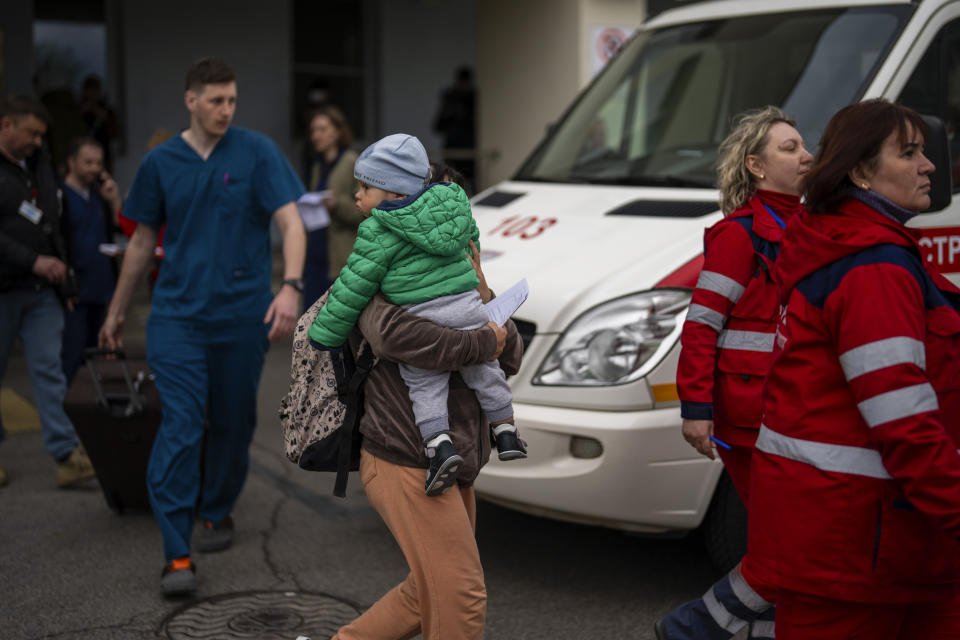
(814,240)
(438,220)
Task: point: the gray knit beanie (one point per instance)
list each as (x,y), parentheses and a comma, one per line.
(396,163)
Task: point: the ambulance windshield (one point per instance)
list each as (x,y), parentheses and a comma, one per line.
(656,115)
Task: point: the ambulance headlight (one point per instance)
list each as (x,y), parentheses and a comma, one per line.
(618,341)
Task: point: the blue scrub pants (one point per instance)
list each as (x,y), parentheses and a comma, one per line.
(80,330)
(37,317)
(200,372)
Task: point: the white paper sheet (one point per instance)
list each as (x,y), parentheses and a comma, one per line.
(505,305)
(312,210)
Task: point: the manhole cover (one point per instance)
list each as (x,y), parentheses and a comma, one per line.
(264,615)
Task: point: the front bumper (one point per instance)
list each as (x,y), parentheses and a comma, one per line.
(647,479)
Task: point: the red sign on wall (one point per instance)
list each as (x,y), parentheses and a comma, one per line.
(941,246)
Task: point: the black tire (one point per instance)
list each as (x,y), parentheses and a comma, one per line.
(724,528)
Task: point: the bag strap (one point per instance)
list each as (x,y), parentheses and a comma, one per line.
(351,398)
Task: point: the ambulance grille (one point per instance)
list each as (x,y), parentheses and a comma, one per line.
(664,209)
(526,330)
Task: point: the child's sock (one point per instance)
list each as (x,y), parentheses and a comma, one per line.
(500,428)
(430,446)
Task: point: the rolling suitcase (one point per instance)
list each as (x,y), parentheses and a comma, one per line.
(115,409)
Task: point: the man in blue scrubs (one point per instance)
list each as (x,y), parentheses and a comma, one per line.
(215,187)
(91,201)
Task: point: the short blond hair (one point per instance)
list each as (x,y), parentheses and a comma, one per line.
(749,137)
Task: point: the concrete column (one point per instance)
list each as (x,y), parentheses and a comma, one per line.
(16,34)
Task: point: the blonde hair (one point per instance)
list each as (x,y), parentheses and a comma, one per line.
(749,137)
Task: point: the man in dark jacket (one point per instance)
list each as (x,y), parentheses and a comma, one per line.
(34,277)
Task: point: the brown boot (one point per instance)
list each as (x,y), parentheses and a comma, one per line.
(4,478)
(76,468)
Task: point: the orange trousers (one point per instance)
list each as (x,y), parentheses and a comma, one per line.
(443,596)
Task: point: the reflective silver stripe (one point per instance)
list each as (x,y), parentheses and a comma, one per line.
(762,629)
(839,458)
(719,283)
(745,593)
(883,353)
(746,341)
(707,316)
(720,615)
(897,404)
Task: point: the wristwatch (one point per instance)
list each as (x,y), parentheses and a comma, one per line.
(296,283)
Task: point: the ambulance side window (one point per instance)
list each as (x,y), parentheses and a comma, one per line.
(934,88)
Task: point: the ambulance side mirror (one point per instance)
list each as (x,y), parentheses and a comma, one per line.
(937,149)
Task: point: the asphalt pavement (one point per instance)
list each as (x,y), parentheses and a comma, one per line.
(303,561)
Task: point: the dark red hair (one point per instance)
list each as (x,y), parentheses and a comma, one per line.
(854,135)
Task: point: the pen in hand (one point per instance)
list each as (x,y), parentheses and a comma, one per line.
(720,442)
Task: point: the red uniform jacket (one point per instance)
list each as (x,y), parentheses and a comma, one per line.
(855,484)
(728,335)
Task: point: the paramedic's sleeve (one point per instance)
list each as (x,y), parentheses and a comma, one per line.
(883,356)
(728,265)
(399,336)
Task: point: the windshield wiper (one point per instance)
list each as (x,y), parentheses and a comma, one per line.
(647,181)
(673,181)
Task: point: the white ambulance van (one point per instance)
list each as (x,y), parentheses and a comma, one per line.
(606,219)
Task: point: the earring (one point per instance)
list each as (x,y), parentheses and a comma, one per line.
(864,186)
(762,176)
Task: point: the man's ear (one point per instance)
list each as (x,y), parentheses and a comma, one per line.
(190,99)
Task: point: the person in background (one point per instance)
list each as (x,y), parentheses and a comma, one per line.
(728,344)
(91,202)
(855,484)
(99,118)
(456,121)
(331,171)
(33,275)
(217,188)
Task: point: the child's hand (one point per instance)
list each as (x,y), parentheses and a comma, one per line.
(485,294)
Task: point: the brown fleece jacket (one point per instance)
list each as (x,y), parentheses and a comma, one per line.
(388,427)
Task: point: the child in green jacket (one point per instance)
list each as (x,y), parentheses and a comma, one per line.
(413,248)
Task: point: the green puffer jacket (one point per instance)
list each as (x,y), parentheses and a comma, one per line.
(414,250)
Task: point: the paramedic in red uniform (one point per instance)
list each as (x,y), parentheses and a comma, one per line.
(728,342)
(855,484)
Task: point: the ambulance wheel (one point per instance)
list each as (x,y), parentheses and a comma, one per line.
(724,528)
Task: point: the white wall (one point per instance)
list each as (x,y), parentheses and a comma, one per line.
(527,71)
(422,43)
(533,58)
(162,39)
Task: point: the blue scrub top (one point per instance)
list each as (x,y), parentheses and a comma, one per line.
(217,212)
(87,222)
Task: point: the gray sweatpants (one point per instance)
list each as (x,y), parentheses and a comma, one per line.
(428,388)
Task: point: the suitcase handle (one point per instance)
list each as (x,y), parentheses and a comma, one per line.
(134,399)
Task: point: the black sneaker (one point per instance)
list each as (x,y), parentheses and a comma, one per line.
(214,537)
(444,468)
(179,578)
(510,446)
